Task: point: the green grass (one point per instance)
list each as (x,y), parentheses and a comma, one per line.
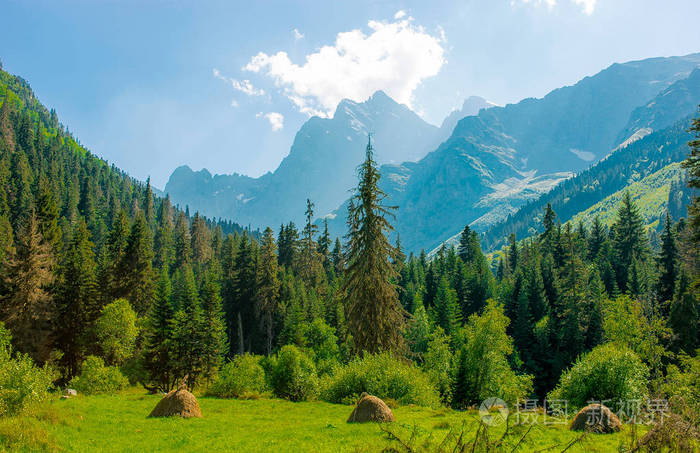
(118,423)
(650,194)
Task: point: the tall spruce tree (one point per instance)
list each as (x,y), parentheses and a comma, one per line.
(137,266)
(667,262)
(28,308)
(214,341)
(76,298)
(630,242)
(157,358)
(684,317)
(375,316)
(268,287)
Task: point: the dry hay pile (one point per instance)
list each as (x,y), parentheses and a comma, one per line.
(671,433)
(371,409)
(177,402)
(596,418)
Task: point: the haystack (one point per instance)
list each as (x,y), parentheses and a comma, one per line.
(177,402)
(596,418)
(371,409)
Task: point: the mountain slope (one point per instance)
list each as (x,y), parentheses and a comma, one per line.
(650,194)
(506,156)
(619,170)
(672,104)
(320,165)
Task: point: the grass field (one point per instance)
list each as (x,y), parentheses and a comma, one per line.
(118,423)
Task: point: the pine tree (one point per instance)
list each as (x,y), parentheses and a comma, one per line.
(337,258)
(28,307)
(137,265)
(548,237)
(667,262)
(164,243)
(188,332)
(76,298)
(596,239)
(158,338)
(48,215)
(447,313)
(148,207)
(512,253)
(240,315)
(116,285)
(287,243)
(268,286)
(215,344)
(309,257)
(375,316)
(183,245)
(629,242)
(684,319)
(201,242)
(572,280)
(324,242)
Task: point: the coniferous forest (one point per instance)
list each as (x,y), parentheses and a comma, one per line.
(106,285)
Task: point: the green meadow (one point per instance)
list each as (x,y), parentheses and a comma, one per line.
(119,423)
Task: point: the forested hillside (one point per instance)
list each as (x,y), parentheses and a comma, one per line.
(77,233)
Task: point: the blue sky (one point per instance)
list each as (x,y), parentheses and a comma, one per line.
(151,85)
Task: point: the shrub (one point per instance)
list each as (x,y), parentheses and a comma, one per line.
(482,369)
(241,377)
(116,331)
(437,364)
(95,378)
(22,383)
(322,343)
(293,375)
(608,372)
(383,376)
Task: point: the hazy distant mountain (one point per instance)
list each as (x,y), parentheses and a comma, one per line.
(472,105)
(494,161)
(670,105)
(503,157)
(320,165)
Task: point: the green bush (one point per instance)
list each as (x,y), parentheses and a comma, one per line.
(383,376)
(241,377)
(322,345)
(293,375)
(482,369)
(608,372)
(95,378)
(22,383)
(116,331)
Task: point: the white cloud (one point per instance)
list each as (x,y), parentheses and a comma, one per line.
(588,5)
(395,57)
(276,119)
(399,14)
(297,34)
(244,86)
(234,103)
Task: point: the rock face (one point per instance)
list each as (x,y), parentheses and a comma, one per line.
(596,418)
(177,402)
(371,409)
